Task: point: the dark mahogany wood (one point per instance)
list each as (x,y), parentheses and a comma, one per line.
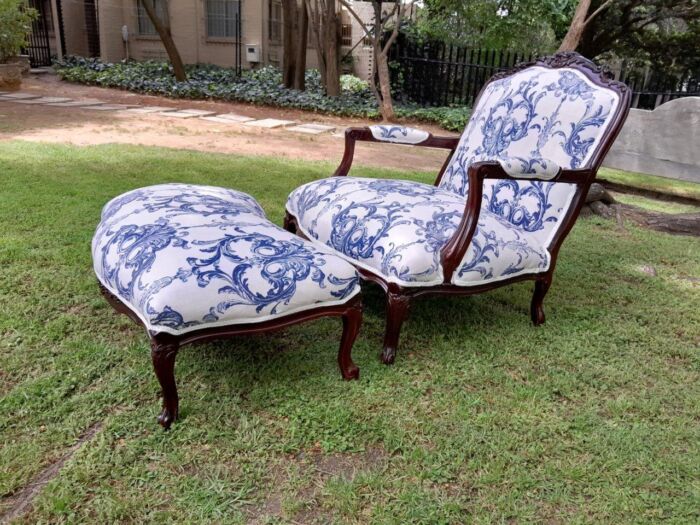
(164,346)
(399,298)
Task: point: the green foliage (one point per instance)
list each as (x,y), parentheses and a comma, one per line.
(450,118)
(590,418)
(15,25)
(261,86)
(664,34)
(524,25)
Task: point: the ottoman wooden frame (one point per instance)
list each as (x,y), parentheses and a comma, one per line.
(164,346)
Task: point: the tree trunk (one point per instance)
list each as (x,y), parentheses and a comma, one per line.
(386,105)
(331,37)
(578,24)
(163,29)
(289,22)
(302,36)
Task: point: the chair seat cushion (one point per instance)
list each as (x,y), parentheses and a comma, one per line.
(186,257)
(396,229)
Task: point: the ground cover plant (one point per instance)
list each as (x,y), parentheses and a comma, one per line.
(261,86)
(592,417)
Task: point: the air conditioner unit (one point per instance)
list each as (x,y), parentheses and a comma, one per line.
(252,53)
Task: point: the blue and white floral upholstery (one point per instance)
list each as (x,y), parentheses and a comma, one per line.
(534,123)
(186,257)
(396,228)
(398,134)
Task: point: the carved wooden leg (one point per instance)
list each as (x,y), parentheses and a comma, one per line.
(396,311)
(164,348)
(536,309)
(290,223)
(352,320)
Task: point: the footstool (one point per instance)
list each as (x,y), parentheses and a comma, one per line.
(195,263)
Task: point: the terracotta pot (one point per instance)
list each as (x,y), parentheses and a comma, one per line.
(10,75)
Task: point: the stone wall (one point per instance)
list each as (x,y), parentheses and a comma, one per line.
(664,142)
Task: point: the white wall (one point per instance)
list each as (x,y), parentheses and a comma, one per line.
(664,142)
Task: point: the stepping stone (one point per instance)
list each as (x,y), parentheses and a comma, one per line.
(19,96)
(312,129)
(228,118)
(74,103)
(149,109)
(270,123)
(107,107)
(188,113)
(44,100)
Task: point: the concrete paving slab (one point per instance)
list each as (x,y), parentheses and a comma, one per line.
(234,117)
(19,96)
(188,113)
(219,120)
(44,100)
(149,109)
(312,129)
(270,123)
(74,103)
(106,107)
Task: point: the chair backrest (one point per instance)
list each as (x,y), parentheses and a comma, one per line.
(562,108)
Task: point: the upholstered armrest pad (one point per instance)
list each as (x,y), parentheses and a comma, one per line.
(399,134)
(529,168)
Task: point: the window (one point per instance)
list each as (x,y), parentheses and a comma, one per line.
(223,18)
(346,35)
(145,25)
(275,21)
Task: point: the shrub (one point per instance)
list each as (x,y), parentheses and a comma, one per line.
(15,25)
(259,86)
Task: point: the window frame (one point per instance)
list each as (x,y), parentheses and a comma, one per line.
(227,22)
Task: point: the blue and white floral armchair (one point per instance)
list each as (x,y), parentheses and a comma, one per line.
(507,196)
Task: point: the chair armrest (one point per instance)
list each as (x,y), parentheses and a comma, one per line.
(453,252)
(393,135)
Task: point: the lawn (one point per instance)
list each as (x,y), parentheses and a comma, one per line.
(594,417)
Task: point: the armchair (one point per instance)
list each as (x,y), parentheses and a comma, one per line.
(505,199)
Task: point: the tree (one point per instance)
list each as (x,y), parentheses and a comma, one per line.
(295,28)
(325,28)
(579,22)
(163,29)
(16,24)
(523,25)
(380,65)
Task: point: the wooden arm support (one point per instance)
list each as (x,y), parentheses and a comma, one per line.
(453,252)
(364,134)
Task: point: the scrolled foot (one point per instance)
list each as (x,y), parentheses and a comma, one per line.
(163,352)
(165,419)
(388,355)
(536,308)
(352,320)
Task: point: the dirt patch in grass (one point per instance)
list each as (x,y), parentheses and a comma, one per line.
(315,468)
(83,127)
(21,501)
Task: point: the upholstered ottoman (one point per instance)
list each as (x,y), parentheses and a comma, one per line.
(194,263)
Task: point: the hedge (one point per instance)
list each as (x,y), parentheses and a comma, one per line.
(260,86)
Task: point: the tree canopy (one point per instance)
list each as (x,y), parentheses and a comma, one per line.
(648,31)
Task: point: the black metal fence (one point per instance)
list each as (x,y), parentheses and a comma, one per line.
(38,49)
(439,74)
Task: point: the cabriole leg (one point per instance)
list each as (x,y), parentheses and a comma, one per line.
(397,306)
(352,320)
(164,349)
(536,309)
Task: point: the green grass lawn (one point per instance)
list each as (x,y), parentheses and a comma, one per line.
(651,182)
(594,417)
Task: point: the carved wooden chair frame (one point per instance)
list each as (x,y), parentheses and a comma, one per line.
(164,346)
(399,297)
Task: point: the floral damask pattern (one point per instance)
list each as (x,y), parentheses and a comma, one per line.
(183,256)
(398,134)
(397,228)
(542,119)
